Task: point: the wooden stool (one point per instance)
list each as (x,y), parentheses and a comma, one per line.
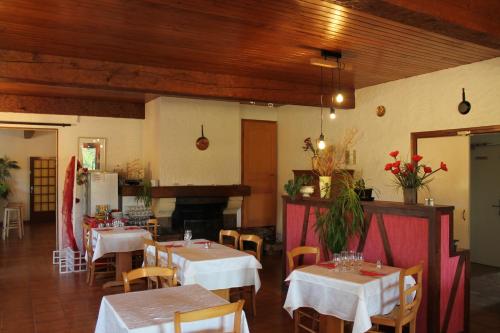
(10,223)
(19,205)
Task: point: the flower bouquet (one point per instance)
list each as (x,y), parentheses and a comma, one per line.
(411,176)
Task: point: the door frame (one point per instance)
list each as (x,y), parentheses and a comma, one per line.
(56,131)
(243,165)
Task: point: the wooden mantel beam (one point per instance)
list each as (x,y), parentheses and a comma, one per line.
(70,106)
(75,72)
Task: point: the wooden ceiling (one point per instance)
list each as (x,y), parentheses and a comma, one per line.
(238,50)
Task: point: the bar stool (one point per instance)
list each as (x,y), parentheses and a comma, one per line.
(10,223)
(19,205)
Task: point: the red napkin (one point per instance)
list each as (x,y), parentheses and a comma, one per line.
(329,265)
(105,229)
(173,245)
(202,242)
(132,228)
(370,273)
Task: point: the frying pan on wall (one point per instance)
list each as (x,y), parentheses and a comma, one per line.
(202,142)
(464,106)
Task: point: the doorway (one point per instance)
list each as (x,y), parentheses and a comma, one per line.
(34,184)
(259,171)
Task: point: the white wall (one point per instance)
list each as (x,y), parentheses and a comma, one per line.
(17,148)
(124,139)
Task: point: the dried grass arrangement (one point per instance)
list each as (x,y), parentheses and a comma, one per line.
(332,158)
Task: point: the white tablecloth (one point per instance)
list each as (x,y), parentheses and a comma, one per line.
(219,267)
(152,311)
(109,240)
(345,295)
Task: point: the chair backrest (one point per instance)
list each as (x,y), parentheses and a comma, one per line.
(167,276)
(87,240)
(302,250)
(164,249)
(152,227)
(229,233)
(212,312)
(408,304)
(254,239)
(150,260)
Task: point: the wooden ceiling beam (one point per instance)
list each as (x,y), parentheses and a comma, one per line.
(70,106)
(35,68)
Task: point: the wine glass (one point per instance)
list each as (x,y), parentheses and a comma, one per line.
(188,235)
(337,261)
(352,259)
(344,257)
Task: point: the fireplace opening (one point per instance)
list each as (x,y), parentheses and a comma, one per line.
(202,215)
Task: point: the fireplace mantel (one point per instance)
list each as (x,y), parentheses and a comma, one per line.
(190,191)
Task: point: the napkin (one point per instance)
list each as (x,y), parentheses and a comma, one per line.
(202,242)
(370,273)
(173,245)
(329,265)
(105,229)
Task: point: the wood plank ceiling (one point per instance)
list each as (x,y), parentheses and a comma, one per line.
(245,40)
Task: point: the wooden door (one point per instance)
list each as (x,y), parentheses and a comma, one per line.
(43,189)
(259,171)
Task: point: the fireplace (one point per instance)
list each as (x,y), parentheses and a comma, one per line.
(202,215)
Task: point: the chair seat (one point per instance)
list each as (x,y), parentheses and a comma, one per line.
(390,318)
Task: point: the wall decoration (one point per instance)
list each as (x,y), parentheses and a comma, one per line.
(380,110)
(464,106)
(92,153)
(202,142)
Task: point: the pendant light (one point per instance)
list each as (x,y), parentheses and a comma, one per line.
(339,98)
(321,142)
(332,109)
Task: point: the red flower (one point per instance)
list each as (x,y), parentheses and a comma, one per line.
(410,167)
(444,167)
(396,164)
(427,169)
(394,153)
(395,171)
(388,166)
(416,158)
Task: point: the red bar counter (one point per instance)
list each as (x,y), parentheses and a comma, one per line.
(400,235)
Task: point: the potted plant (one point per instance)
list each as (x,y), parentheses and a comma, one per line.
(344,218)
(144,194)
(292,187)
(307,188)
(5,166)
(411,176)
(364,193)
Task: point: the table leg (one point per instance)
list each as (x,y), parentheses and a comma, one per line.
(330,324)
(224,293)
(123,264)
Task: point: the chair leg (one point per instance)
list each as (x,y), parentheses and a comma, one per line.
(398,328)
(19,225)
(413,326)
(296,321)
(92,277)
(254,305)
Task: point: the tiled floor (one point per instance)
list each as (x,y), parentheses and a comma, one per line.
(485,299)
(34,297)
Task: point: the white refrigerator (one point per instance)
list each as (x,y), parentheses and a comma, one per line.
(102,189)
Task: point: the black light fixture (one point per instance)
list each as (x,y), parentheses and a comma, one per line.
(332,109)
(321,142)
(339,98)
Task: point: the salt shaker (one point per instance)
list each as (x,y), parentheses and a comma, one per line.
(379,264)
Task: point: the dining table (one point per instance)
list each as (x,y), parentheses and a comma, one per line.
(152,311)
(122,241)
(344,295)
(212,265)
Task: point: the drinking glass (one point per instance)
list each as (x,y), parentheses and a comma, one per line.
(344,257)
(187,236)
(360,260)
(337,261)
(352,259)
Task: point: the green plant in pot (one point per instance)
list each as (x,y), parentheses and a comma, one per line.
(292,187)
(364,193)
(344,218)
(5,166)
(144,195)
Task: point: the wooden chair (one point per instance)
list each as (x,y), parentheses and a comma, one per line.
(252,239)
(152,227)
(212,312)
(300,251)
(304,312)
(164,249)
(257,253)
(406,311)
(167,276)
(104,266)
(229,234)
(150,260)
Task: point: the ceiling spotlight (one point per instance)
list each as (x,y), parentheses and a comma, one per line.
(270,105)
(332,113)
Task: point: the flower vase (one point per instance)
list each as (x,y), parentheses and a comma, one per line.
(314,161)
(325,183)
(410,195)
